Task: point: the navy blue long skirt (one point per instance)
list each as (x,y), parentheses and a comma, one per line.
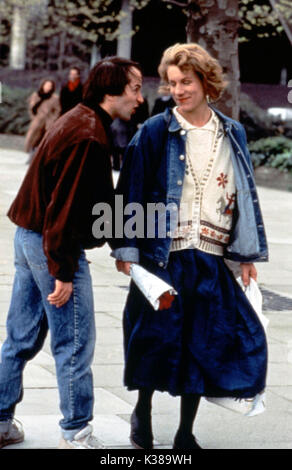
(210,342)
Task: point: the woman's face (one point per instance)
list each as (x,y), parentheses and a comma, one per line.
(47,86)
(186,89)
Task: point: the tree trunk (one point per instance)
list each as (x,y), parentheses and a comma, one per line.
(62,48)
(215,29)
(18,39)
(125,31)
(95,55)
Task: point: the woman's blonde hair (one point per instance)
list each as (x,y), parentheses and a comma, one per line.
(192,56)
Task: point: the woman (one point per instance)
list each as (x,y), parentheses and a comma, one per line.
(44,109)
(193,161)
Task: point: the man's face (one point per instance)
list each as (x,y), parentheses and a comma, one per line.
(73,75)
(186,89)
(126,104)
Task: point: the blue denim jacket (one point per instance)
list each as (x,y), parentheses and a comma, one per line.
(153,171)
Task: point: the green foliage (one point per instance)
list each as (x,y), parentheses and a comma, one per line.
(83,20)
(61,33)
(257,18)
(266,146)
(274,152)
(58,31)
(68,29)
(14,118)
(285,8)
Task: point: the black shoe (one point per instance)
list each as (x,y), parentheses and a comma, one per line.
(185,441)
(141,436)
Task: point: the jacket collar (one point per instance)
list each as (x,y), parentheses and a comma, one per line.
(106,119)
(228,123)
(174,126)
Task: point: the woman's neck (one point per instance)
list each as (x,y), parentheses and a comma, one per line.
(197,117)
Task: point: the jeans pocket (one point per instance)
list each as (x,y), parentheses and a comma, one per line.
(33,244)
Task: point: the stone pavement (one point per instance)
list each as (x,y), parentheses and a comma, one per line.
(216,428)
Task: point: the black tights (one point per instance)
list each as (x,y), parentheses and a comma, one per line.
(188,409)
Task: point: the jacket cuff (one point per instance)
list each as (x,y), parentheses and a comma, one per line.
(61,273)
(126,254)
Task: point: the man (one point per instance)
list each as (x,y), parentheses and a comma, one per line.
(161,103)
(70,173)
(71,92)
(123,132)
(193,162)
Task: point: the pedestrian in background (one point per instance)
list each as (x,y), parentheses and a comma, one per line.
(70,173)
(140,116)
(121,137)
(71,92)
(44,108)
(161,103)
(194,162)
(123,131)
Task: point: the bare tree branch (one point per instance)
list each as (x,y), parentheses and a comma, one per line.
(175,2)
(282,19)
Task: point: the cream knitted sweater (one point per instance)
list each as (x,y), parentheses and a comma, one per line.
(208,194)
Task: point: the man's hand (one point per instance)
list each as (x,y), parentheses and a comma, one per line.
(248,270)
(123,266)
(61,294)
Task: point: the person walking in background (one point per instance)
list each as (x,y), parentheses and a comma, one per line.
(44,108)
(70,173)
(123,131)
(71,92)
(121,137)
(161,103)
(140,116)
(193,161)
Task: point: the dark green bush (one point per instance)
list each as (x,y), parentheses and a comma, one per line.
(275,152)
(14,118)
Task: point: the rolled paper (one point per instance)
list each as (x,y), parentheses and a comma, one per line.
(157,292)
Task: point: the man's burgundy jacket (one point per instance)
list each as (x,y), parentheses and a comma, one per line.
(70,172)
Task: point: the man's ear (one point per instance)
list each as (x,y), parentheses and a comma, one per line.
(109,99)
(109,104)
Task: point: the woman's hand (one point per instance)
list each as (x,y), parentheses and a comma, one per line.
(248,270)
(123,266)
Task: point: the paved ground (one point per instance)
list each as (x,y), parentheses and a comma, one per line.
(216,428)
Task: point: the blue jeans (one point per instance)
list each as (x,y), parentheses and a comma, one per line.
(72,330)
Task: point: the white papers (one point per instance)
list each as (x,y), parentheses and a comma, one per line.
(255,297)
(150,285)
(245,406)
